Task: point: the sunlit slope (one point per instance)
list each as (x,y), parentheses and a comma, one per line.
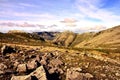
(109,38)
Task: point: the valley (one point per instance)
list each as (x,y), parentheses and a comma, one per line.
(60,55)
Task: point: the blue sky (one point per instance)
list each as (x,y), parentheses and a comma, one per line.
(74,15)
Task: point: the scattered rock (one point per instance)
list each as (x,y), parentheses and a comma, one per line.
(16,63)
(38,74)
(77,69)
(56,62)
(117,74)
(43,62)
(1,72)
(75,74)
(52,70)
(28,77)
(88,75)
(7,49)
(103,75)
(3,66)
(21,68)
(32,65)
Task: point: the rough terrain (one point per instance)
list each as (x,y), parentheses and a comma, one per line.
(57,64)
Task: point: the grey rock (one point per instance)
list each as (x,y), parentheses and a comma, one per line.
(27,77)
(3,66)
(39,74)
(56,62)
(76,74)
(1,72)
(7,49)
(43,62)
(21,68)
(32,65)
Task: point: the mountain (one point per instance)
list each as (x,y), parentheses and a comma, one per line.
(109,38)
(20,37)
(65,38)
(70,39)
(16,31)
(47,35)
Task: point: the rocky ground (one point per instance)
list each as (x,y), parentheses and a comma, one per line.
(48,63)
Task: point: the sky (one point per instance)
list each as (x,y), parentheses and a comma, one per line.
(58,15)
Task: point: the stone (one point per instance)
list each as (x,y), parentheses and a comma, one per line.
(28,77)
(38,74)
(73,75)
(56,62)
(7,49)
(88,75)
(3,66)
(60,71)
(117,74)
(38,58)
(16,63)
(43,62)
(76,74)
(103,75)
(1,72)
(32,65)
(21,68)
(52,70)
(77,69)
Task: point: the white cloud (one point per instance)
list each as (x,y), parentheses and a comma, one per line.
(27,5)
(92,9)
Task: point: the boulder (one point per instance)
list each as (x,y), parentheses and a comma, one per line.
(7,49)
(21,68)
(16,63)
(32,65)
(28,77)
(38,74)
(3,66)
(76,74)
(43,62)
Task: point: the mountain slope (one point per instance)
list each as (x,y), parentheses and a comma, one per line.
(22,38)
(64,39)
(70,39)
(109,38)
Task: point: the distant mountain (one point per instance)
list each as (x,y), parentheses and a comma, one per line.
(109,38)
(70,39)
(47,35)
(65,38)
(16,31)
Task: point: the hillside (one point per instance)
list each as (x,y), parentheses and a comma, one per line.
(21,38)
(70,39)
(109,38)
(65,38)
(33,56)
